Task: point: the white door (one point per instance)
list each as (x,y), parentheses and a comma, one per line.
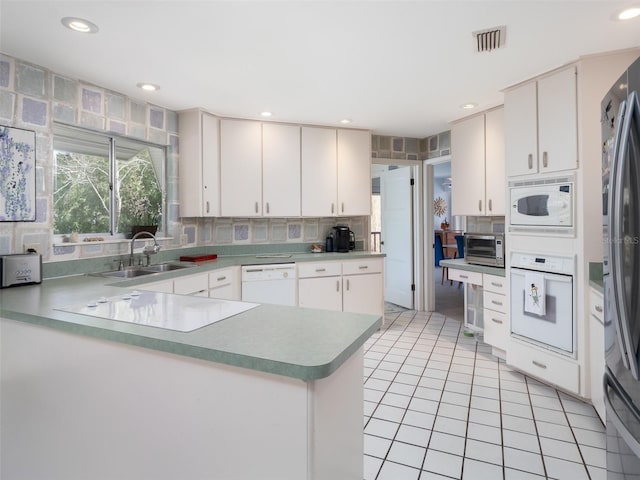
(397,234)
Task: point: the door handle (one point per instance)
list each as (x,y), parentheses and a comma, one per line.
(256,207)
(479,205)
(337,285)
(496,284)
(219,279)
(464,276)
(530,161)
(538,364)
(321,269)
(496,303)
(267,207)
(342,207)
(332,208)
(495,320)
(545,161)
(207,206)
(598,309)
(490,205)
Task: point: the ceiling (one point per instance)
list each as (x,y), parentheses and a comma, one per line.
(399,68)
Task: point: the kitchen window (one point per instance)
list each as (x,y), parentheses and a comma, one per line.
(105,184)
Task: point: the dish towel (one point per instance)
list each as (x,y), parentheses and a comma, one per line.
(534,293)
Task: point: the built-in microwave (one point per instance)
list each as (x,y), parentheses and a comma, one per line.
(542,204)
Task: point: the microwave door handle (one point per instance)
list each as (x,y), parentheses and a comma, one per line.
(610,383)
(615,241)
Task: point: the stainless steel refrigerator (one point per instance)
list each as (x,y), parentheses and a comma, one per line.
(621,230)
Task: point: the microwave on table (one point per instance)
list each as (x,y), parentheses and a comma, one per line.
(545,204)
(484,249)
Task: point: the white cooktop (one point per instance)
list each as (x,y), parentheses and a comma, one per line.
(182,313)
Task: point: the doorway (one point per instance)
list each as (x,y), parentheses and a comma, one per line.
(441,295)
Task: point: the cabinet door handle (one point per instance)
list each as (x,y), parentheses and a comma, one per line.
(496,284)
(337,285)
(490,205)
(267,207)
(464,276)
(545,159)
(342,207)
(256,207)
(332,208)
(495,320)
(598,309)
(479,205)
(321,269)
(538,364)
(363,267)
(530,160)
(496,302)
(207,206)
(219,279)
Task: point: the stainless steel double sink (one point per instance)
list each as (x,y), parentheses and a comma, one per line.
(132,272)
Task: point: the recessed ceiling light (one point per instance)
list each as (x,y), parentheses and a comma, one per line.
(629,13)
(468,106)
(149,87)
(345,121)
(266,114)
(79,25)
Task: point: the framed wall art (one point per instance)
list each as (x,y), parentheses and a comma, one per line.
(17,175)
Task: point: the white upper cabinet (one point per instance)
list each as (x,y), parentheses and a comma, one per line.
(280,170)
(477,165)
(354,172)
(541,125)
(241,168)
(199,166)
(495,177)
(319,172)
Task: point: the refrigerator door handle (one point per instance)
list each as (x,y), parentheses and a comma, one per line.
(609,382)
(616,236)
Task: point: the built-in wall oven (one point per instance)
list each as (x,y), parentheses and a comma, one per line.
(542,300)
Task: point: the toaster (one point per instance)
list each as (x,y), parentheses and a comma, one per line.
(20,269)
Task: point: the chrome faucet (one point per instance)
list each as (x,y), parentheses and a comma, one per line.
(147,250)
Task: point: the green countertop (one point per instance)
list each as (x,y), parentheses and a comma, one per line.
(596,279)
(462,264)
(301,343)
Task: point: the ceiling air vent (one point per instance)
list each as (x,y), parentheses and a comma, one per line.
(490,39)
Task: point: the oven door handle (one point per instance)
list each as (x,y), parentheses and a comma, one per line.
(610,382)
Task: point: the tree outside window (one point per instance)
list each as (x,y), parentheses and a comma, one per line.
(91,194)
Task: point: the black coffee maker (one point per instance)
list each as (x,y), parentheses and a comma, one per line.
(343,239)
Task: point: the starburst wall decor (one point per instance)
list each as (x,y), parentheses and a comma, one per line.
(439,206)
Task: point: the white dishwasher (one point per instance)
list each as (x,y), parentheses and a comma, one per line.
(272,283)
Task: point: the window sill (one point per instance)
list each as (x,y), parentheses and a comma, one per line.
(104,242)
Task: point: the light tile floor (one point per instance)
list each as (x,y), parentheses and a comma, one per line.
(438,405)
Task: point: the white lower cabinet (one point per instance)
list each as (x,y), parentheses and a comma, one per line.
(496,307)
(596,350)
(165,286)
(355,286)
(363,286)
(544,364)
(225,284)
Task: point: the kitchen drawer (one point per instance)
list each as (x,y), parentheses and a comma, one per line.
(496,302)
(191,284)
(494,283)
(545,365)
(465,276)
(223,276)
(356,267)
(319,269)
(496,329)
(596,305)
